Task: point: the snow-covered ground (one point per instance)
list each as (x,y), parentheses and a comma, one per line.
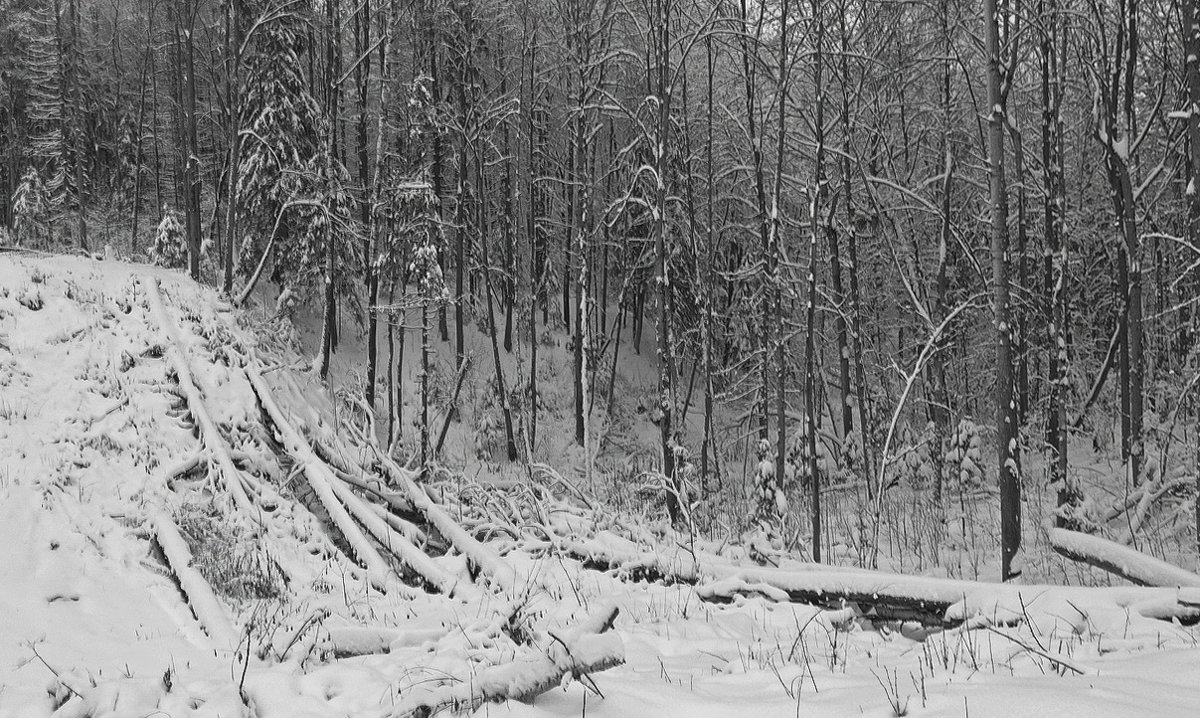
(101,458)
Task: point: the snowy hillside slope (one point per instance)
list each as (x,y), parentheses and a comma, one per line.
(141,421)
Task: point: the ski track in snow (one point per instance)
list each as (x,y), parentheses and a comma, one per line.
(88,426)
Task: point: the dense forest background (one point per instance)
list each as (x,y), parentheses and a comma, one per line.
(881,233)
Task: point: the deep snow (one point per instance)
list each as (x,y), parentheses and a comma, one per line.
(92,623)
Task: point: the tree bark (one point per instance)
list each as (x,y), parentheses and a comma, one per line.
(1006,414)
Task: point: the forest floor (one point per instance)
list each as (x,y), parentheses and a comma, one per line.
(192,525)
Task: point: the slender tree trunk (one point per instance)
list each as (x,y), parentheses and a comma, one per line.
(1020,319)
(812,406)
(860,378)
(578,181)
(661,39)
(233,43)
(74,111)
(1191,53)
(425,350)
(1053,208)
(362,71)
(776,250)
(507,191)
(501,386)
(1006,415)
(749,39)
(460,239)
(939,404)
(137,162)
(191,169)
(533,203)
(439,159)
(709,279)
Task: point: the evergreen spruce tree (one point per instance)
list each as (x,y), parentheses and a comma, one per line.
(278,154)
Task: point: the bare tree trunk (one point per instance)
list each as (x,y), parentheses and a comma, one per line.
(233,43)
(661,40)
(860,379)
(138,153)
(328,150)
(1053,208)
(812,406)
(362,71)
(577,181)
(776,250)
(501,386)
(750,37)
(191,170)
(709,250)
(507,191)
(73,109)
(533,203)
(939,404)
(439,159)
(460,240)
(1006,415)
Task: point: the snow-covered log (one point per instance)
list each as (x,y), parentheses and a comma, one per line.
(211,437)
(585,650)
(395,543)
(374,487)
(322,480)
(608,552)
(199,594)
(485,559)
(1130,564)
(947,602)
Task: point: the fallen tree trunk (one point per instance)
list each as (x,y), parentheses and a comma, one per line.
(485,559)
(209,435)
(1123,561)
(606,553)
(948,602)
(931,601)
(322,480)
(199,594)
(587,649)
(396,544)
(458,385)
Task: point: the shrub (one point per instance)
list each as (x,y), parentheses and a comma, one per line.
(234,565)
(170,245)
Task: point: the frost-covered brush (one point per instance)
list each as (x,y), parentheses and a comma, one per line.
(516,510)
(546,473)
